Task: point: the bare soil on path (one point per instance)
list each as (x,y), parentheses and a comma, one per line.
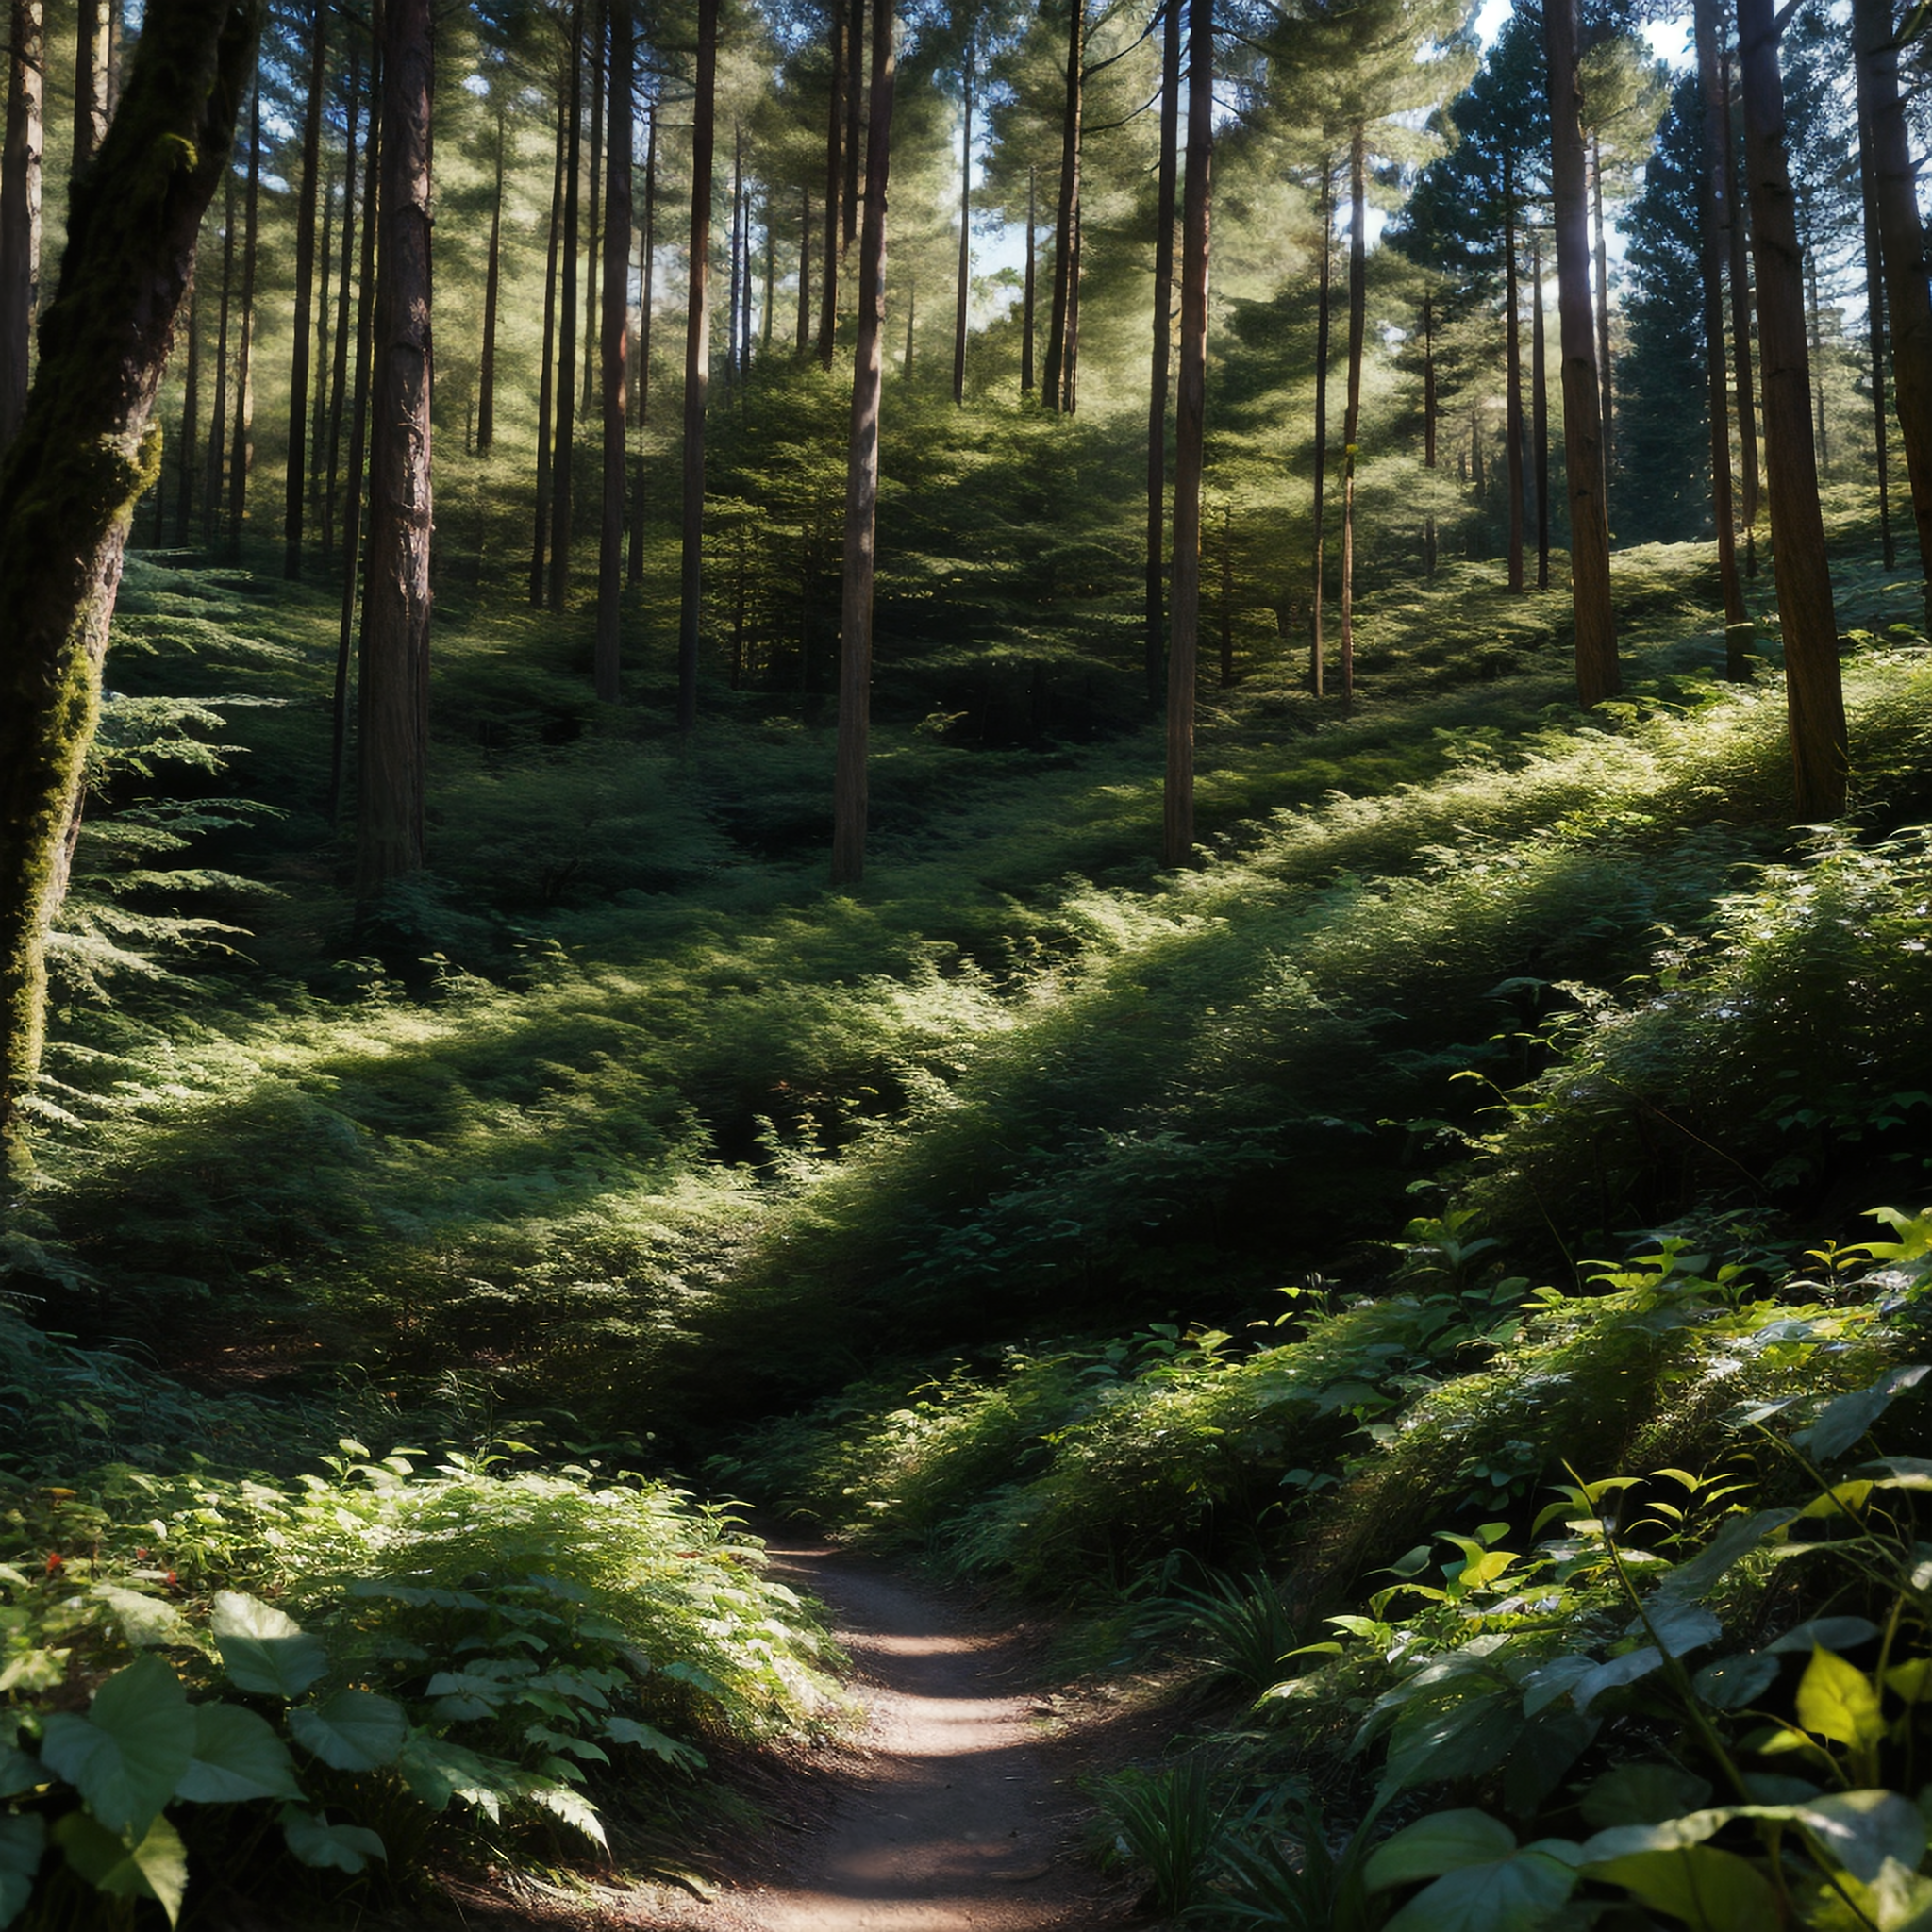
(958,1814)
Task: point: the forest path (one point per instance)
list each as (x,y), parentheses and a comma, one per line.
(954,1819)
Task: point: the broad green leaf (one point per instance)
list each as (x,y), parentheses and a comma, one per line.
(1732,1682)
(1826,1633)
(1513,1895)
(153,1866)
(1443,1842)
(1835,1700)
(143,1619)
(127,1754)
(575,1809)
(355,1730)
(22,1840)
(1861,1830)
(625,1730)
(1456,1738)
(1842,1423)
(1641,1794)
(1710,1891)
(1548,1747)
(19,1771)
(1903,1472)
(1615,1674)
(329,1847)
(236,1756)
(1553,1680)
(262,1649)
(438,1771)
(1678,1627)
(1735,1540)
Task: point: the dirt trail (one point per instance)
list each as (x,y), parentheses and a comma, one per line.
(956,1820)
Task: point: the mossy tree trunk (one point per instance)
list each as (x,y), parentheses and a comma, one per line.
(85,452)
(392,696)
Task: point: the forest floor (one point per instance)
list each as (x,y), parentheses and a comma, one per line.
(958,1806)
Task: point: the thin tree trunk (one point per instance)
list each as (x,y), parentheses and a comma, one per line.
(1806,617)
(20,211)
(1817,335)
(92,27)
(1070,394)
(393,711)
(835,174)
(697,368)
(492,279)
(82,455)
(594,252)
(1512,372)
(862,477)
(1597,675)
(1903,252)
(803,343)
(1601,248)
(771,274)
(853,143)
(560,479)
(1712,216)
(1874,326)
(190,418)
(1317,670)
(1428,430)
(1226,610)
(242,454)
(295,475)
(911,309)
(324,264)
(1540,411)
(731,364)
(1026,288)
(1053,375)
(1155,635)
(965,236)
(358,419)
(339,381)
(212,490)
(647,271)
(1352,417)
(546,381)
(1737,235)
(1190,398)
(616,345)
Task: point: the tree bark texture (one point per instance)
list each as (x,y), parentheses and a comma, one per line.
(338,379)
(835,175)
(615,336)
(1317,668)
(1597,675)
(648,275)
(849,798)
(1026,288)
(853,145)
(593,253)
(392,708)
(1902,249)
(1168,171)
(1874,329)
(697,366)
(1184,640)
(803,344)
(1512,373)
(1807,616)
(965,289)
(1428,430)
(84,452)
(493,281)
(93,35)
(211,493)
(1540,411)
(20,209)
(1737,233)
(295,477)
(1352,413)
(1067,209)
(546,381)
(1600,245)
(242,443)
(566,392)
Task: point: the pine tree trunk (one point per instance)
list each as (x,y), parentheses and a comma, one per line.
(965,238)
(1902,252)
(358,418)
(1712,215)
(647,272)
(1817,338)
(338,379)
(1155,635)
(697,366)
(1070,389)
(492,278)
(1597,675)
(20,211)
(1540,411)
(1317,668)
(1053,375)
(241,450)
(862,477)
(1428,430)
(1513,373)
(803,345)
(190,418)
(295,475)
(84,452)
(1737,234)
(911,309)
(1807,616)
(546,381)
(1190,398)
(212,490)
(1351,415)
(1027,286)
(594,252)
(1601,251)
(731,362)
(616,345)
(325,263)
(765,314)
(92,32)
(854,139)
(562,456)
(835,174)
(1874,326)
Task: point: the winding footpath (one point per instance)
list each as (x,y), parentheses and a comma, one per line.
(954,1821)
